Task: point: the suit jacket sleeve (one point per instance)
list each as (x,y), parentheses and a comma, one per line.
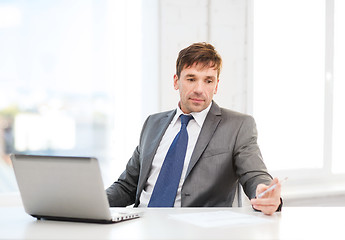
(248,159)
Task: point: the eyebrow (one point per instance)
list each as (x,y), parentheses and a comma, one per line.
(190,75)
(193,75)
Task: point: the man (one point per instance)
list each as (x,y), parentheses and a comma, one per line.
(218,148)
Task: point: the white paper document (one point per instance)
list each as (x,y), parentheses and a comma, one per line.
(218,219)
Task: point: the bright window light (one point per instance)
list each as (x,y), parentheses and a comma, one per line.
(289,42)
(70,81)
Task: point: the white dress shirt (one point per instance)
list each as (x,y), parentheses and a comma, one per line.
(193,128)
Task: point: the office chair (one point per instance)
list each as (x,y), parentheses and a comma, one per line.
(238,196)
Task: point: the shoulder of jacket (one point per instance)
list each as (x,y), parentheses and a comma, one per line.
(231,113)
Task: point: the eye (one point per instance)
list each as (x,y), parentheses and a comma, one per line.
(190,79)
(209,81)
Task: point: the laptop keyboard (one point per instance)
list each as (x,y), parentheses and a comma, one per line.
(118,215)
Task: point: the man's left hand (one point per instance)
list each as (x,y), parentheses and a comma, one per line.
(269,203)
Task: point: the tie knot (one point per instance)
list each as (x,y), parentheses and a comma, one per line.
(185,118)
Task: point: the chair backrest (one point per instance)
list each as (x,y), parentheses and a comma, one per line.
(238,196)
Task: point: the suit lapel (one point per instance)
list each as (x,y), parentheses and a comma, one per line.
(155,138)
(209,127)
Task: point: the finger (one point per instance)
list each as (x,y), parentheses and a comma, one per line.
(274,181)
(268,210)
(260,188)
(265,201)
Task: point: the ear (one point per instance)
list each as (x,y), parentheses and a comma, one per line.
(216,88)
(175,82)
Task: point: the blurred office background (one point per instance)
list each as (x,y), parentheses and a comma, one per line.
(79,77)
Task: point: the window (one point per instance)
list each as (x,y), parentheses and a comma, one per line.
(298,109)
(338,165)
(65,78)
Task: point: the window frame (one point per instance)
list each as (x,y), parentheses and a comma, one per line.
(305,177)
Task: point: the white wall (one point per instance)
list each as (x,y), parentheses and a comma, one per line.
(181,23)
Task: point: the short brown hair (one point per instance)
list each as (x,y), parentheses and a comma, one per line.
(199,53)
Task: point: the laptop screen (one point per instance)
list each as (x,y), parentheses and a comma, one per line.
(69,187)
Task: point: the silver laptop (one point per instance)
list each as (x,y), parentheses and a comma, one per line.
(65,188)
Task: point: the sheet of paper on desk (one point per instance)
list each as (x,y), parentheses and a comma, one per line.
(218,218)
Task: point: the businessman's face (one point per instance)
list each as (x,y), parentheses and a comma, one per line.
(197,85)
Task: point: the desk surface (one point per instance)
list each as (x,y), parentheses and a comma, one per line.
(292,223)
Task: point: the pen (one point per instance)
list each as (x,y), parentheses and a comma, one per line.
(271,188)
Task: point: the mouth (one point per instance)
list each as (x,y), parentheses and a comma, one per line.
(197,100)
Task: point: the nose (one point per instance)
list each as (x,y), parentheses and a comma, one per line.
(198,88)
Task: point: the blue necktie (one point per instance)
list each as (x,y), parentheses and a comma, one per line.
(164,192)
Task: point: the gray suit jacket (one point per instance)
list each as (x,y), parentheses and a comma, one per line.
(226,152)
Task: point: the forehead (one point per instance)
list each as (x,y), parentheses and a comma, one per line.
(210,69)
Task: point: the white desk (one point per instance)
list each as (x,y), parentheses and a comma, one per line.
(292,223)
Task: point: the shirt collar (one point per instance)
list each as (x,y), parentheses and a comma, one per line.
(199,117)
